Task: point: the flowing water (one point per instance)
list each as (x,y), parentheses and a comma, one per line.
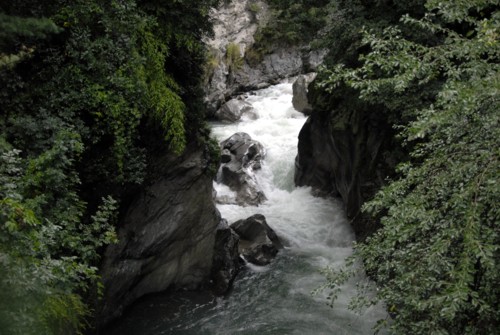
(274,299)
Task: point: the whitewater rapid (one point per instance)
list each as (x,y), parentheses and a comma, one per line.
(274,299)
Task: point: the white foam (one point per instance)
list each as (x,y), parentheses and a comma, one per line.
(302,219)
(315,230)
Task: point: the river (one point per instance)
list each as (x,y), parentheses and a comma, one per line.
(274,299)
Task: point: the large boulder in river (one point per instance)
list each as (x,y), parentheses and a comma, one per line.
(234,109)
(226,262)
(240,157)
(166,237)
(259,244)
(299,87)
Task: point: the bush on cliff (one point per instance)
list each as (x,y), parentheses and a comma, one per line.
(435,258)
(291,23)
(90,90)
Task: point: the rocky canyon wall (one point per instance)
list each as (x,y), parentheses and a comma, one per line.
(346,150)
(235,26)
(167,234)
(166,237)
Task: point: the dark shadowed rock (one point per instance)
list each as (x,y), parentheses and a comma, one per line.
(226,262)
(225,156)
(234,109)
(345,152)
(166,237)
(241,156)
(259,244)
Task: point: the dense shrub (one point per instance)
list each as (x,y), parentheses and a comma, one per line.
(435,259)
(90,90)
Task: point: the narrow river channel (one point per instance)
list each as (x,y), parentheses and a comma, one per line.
(275,299)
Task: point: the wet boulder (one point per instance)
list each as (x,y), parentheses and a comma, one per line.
(259,243)
(234,109)
(226,261)
(240,157)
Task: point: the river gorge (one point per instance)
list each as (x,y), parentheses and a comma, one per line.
(277,298)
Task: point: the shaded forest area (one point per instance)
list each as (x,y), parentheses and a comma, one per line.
(91,91)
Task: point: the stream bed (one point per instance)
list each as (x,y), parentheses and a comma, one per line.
(274,299)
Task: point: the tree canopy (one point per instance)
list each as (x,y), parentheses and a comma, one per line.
(90,90)
(435,258)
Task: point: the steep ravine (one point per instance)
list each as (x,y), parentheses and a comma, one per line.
(275,298)
(166,236)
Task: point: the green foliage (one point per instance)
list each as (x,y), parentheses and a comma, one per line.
(213,152)
(46,253)
(18,35)
(290,23)
(435,259)
(211,63)
(186,53)
(162,91)
(16,30)
(254,8)
(234,60)
(64,314)
(92,91)
(295,22)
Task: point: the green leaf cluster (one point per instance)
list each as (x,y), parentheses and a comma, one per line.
(234,60)
(92,91)
(435,259)
(16,31)
(47,254)
(294,22)
(290,23)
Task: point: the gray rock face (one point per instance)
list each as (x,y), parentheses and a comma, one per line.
(299,87)
(280,64)
(234,109)
(226,263)
(236,24)
(240,157)
(259,244)
(236,21)
(345,153)
(166,238)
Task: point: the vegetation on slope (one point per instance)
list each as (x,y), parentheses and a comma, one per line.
(435,258)
(90,90)
(291,23)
